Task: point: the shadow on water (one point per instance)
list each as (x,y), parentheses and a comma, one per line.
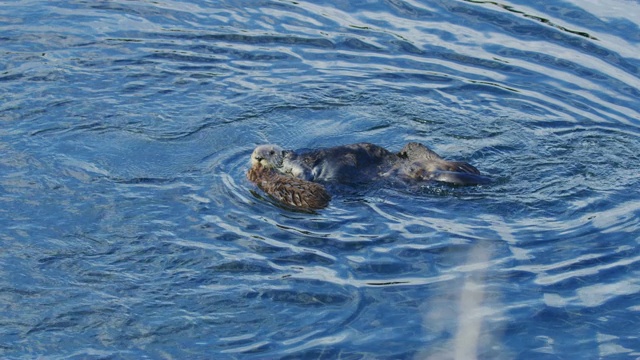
(129,228)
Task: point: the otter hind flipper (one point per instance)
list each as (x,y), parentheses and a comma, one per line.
(459,178)
(416,151)
(291,191)
(461,166)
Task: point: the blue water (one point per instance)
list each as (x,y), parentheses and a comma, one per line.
(128,229)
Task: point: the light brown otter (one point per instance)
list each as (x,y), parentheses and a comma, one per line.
(292,177)
(289,190)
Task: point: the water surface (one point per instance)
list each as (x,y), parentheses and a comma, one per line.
(129,230)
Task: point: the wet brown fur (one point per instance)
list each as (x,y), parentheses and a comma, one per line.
(289,190)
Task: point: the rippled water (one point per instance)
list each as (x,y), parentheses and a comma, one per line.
(128,228)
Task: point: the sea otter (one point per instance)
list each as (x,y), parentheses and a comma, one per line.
(295,178)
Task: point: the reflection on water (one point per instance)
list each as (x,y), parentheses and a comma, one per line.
(130,230)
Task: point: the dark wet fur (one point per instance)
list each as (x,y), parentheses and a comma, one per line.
(348,164)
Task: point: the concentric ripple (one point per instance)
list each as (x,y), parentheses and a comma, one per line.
(129,229)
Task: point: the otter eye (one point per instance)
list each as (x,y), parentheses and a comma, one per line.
(272,152)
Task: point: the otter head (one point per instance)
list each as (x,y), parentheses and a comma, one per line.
(269,156)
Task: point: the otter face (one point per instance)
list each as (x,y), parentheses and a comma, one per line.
(269,156)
